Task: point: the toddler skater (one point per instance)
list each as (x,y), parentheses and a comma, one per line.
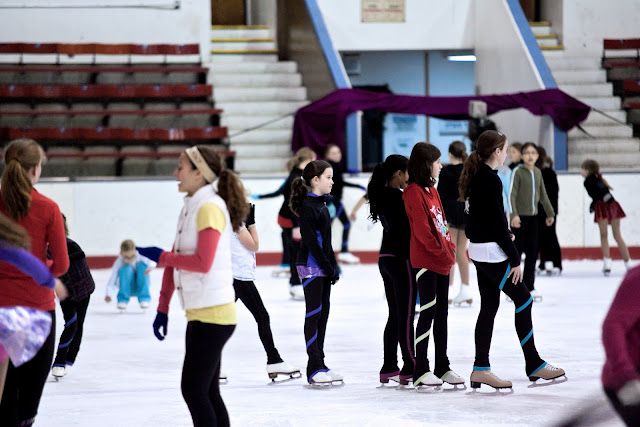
(454,212)
(527,189)
(244,244)
(606,210)
(130,277)
(432,256)
(333,156)
(80,286)
(497,262)
(386,205)
(316,263)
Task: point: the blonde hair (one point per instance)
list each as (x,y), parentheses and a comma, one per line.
(127,245)
(20,156)
(301,156)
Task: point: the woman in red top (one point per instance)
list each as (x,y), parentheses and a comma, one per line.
(432,256)
(42,219)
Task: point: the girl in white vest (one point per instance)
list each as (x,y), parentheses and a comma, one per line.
(199,267)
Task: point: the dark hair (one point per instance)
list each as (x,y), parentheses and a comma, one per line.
(20,156)
(542,157)
(301,155)
(488,142)
(517,146)
(329,148)
(12,234)
(379,180)
(593,168)
(420,164)
(458,149)
(230,186)
(301,186)
(530,144)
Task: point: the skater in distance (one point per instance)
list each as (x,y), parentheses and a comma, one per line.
(129,277)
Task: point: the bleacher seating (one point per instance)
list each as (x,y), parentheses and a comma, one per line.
(99,118)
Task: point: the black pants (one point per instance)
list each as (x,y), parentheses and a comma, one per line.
(630,414)
(527,243)
(346,224)
(200,372)
(24,384)
(548,244)
(248,293)
(400,291)
(74,313)
(293,248)
(433,289)
(286,255)
(492,278)
(317,291)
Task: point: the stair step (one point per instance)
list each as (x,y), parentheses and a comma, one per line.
(592,89)
(256,80)
(546,36)
(579,76)
(239,122)
(241,33)
(595,118)
(268,48)
(539,23)
(225,94)
(262,136)
(607,160)
(236,68)
(267,151)
(609,145)
(559,61)
(259,165)
(600,102)
(237,27)
(550,45)
(262,107)
(228,58)
(541,30)
(614,130)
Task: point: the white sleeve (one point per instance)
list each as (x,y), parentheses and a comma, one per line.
(147,261)
(112,284)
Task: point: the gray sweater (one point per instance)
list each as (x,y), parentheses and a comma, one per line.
(527,189)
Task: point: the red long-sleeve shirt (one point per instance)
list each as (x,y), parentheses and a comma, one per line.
(621,334)
(431,246)
(45,227)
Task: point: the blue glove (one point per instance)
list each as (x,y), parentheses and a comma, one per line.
(151,252)
(162,319)
(254,196)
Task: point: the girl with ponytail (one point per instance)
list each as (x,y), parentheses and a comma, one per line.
(42,219)
(199,267)
(386,205)
(315,262)
(497,262)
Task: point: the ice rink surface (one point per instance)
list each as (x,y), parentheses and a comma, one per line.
(124,376)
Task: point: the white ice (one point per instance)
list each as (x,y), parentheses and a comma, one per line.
(124,376)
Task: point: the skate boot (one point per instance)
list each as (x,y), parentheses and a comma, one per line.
(463,296)
(627,265)
(547,372)
(348,258)
(536,295)
(405,379)
(282,368)
(320,379)
(489,378)
(427,380)
(391,376)
(122,306)
(144,305)
(58,372)
(222,378)
(296,292)
(283,270)
(606,267)
(452,378)
(336,378)
(548,267)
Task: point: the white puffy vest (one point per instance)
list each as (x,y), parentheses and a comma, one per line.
(199,290)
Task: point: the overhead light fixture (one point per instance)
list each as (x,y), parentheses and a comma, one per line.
(462,58)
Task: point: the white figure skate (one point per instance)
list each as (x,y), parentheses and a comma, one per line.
(283,368)
(222,378)
(428,382)
(454,379)
(282,270)
(536,295)
(464,296)
(348,258)
(58,372)
(296,292)
(606,267)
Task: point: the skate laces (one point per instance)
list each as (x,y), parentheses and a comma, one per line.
(551,368)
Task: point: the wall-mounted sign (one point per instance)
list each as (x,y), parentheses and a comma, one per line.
(383,10)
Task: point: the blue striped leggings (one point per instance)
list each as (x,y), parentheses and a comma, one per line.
(316,296)
(492,278)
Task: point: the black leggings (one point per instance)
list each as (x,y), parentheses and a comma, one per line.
(200,372)
(492,278)
(548,244)
(401,293)
(74,314)
(247,292)
(433,289)
(630,414)
(24,384)
(317,291)
(341,214)
(527,242)
(293,248)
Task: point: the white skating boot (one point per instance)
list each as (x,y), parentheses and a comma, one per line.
(537,297)
(348,258)
(58,372)
(222,378)
(122,306)
(283,270)
(452,378)
(427,380)
(336,378)
(628,265)
(296,292)
(282,368)
(548,267)
(606,267)
(321,379)
(144,305)
(463,296)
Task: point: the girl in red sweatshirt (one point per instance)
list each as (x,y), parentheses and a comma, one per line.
(432,256)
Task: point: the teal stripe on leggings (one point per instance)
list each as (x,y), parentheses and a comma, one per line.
(525,305)
(504,279)
(526,338)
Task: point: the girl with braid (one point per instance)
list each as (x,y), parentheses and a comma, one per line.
(497,262)
(432,256)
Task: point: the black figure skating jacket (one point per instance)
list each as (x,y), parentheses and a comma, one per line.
(315,228)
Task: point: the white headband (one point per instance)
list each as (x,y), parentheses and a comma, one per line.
(194,155)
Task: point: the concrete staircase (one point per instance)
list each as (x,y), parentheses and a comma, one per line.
(253,88)
(546,38)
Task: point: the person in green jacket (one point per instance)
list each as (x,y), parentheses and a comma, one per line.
(527,189)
